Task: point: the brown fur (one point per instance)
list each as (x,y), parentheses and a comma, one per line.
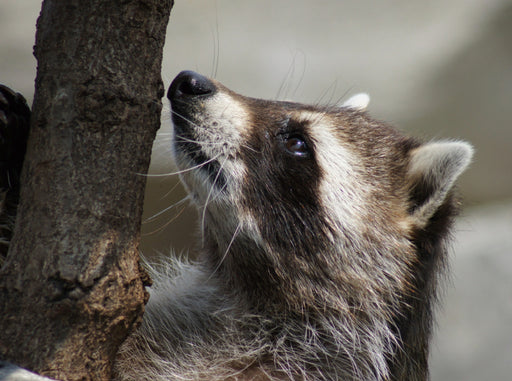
(323,243)
(322,264)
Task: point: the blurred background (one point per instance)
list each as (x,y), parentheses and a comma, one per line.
(435,69)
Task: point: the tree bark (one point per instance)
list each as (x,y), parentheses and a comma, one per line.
(71,288)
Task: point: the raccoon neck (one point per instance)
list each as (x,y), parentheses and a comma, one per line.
(349,335)
(384,336)
(416,322)
(243,269)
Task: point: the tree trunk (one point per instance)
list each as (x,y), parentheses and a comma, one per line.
(72,289)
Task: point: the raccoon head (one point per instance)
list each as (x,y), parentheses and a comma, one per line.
(313,206)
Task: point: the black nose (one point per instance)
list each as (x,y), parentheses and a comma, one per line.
(190,83)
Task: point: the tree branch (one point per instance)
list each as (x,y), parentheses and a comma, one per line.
(72,289)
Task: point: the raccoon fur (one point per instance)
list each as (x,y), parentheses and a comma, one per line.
(324,239)
(14,125)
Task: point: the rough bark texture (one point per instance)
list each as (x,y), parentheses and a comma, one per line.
(71,288)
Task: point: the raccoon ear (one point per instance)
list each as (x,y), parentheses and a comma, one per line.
(433,169)
(357,102)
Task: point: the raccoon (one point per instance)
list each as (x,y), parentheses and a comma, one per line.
(324,239)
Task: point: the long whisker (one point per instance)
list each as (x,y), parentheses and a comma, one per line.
(250,148)
(166,209)
(181,171)
(170,190)
(331,89)
(207,201)
(164,139)
(184,139)
(216,44)
(167,223)
(224,256)
(186,119)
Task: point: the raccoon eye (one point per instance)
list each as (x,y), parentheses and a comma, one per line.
(296,145)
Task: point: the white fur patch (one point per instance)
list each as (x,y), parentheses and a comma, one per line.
(358,102)
(220,130)
(341,193)
(439,164)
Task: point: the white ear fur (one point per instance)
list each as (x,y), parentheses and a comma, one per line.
(357,102)
(437,166)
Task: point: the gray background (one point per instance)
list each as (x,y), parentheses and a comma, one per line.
(436,69)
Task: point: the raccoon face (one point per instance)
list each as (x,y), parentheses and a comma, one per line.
(249,164)
(326,191)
